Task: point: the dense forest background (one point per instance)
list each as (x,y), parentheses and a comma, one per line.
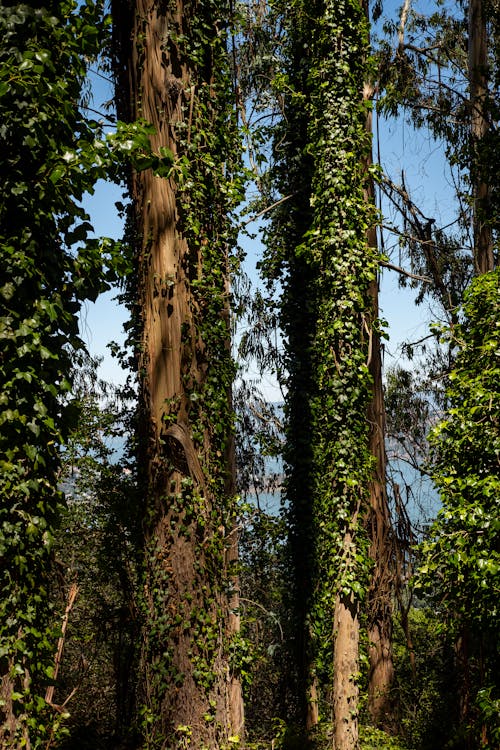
(186,563)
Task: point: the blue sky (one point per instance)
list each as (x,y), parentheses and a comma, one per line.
(401,147)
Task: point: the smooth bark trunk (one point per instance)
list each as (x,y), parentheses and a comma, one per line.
(379,620)
(346,669)
(478,88)
(189,694)
(381,672)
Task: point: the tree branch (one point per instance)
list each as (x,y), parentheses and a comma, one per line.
(402,271)
(266,210)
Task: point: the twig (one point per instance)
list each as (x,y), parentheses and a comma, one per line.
(49,694)
(271,615)
(267,208)
(403,272)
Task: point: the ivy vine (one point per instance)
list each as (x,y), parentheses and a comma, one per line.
(318,249)
(51,155)
(186,629)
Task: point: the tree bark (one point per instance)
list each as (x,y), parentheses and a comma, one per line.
(379,620)
(478,88)
(346,669)
(381,672)
(190,695)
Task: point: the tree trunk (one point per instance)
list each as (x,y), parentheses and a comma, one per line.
(381,673)
(346,669)
(190,695)
(478,87)
(379,620)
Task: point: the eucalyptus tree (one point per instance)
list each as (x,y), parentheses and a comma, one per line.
(448,74)
(444,75)
(319,249)
(172,71)
(482,116)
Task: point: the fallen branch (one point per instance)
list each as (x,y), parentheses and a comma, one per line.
(49,693)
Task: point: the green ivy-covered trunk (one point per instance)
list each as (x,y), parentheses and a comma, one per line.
(176,77)
(47,162)
(292,174)
(319,242)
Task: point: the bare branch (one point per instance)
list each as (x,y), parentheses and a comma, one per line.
(111,120)
(73,591)
(266,210)
(403,272)
(404,15)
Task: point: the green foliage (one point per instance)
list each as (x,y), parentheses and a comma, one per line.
(426,680)
(461,559)
(264,582)
(43,283)
(375,739)
(317,247)
(97,548)
(50,157)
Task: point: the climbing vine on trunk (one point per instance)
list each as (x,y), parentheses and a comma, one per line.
(50,156)
(173,71)
(317,246)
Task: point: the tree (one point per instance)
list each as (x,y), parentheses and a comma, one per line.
(318,248)
(172,71)
(480,113)
(381,590)
(447,69)
(460,557)
(97,555)
(50,156)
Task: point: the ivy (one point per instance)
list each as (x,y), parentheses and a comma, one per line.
(317,247)
(51,155)
(460,558)
(189,514)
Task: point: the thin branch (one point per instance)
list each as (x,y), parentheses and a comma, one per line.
(402,271)
(271,615)
(73,591)
(266,210)
(111,121)
(266,419)
(95,72)
(404,15)
(425,50)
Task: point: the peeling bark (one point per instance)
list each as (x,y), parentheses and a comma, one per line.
(346,669)
(379,621)
(188,692)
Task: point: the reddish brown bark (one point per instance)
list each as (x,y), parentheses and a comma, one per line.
(188,692)
(379,619)
(381,673)
(478,87)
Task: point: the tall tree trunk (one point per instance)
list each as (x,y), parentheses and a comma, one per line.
(320,235)
(190,694)
(478,89)
(379,619)
(346,667)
